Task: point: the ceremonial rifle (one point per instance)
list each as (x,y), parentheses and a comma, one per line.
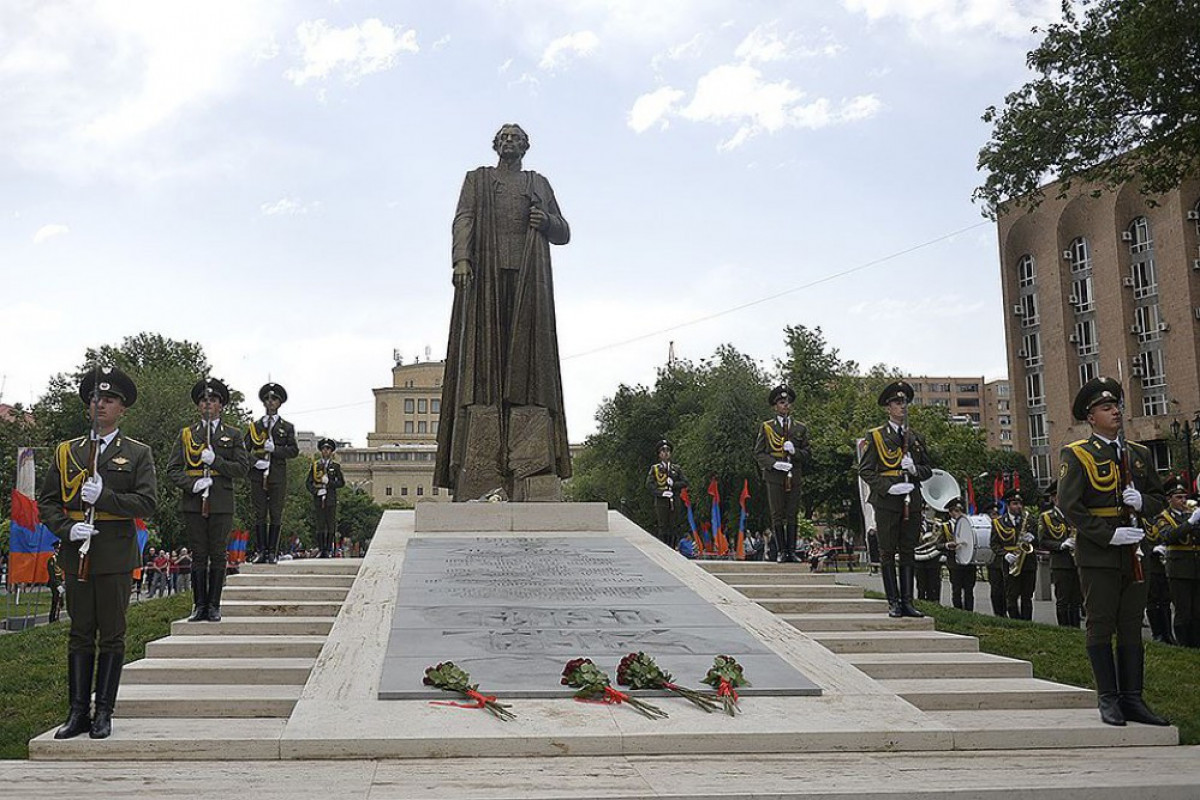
(205,506)
(89,514)
(1126,474)
(905,444)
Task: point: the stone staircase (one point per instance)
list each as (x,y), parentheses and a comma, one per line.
(233,683)
(991,702)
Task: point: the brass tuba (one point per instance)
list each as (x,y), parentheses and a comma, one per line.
(940,489)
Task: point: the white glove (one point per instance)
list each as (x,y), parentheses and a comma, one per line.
(324,479)
(1194,519)
(908,465)
(900,488)
(62,589)
(670,481)
(1026,537)
(783,466)
(321,492)
(269,446)
(1132,498)
(81,532)
(668,494)
(91,490)
(1127,535)
(208,456)
(1161,550)
(1011,558)
(262,463)
(1069,544)
(789,448)
(201,484)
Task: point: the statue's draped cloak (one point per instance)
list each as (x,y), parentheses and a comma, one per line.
(482,369)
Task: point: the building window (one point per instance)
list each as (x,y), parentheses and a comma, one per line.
(1080,257)
(942,402)
(1025,271)
(1002,390)
(1002,405)
(435,491)
(968,402)
(1081,295)
(420,491)
(408,426)
(1006,436)
(408,406)
(939,387)
(422,427)
(1034,390)
(1032,348)
(1139,232)
(404,491)
(1154,370)
(1087,371)
(388,491)
(1145,279)
(1037,430)
(1147,323)
(433,426)
(1029,310)
(968,387)
(1040,464)
(1085,337)
(422,406)
(1154,404)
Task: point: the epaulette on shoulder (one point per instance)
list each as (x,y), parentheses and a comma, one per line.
(138,442)
(1077,443)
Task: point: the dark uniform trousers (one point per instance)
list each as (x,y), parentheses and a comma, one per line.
(97,608)
(1183,576)
(962,584)
(267,503)
(664,516)
(784,505)
(1068,597)
(326,525)
(1115,603)
(898,535)
(1019,589)
(208,538)
(997,574)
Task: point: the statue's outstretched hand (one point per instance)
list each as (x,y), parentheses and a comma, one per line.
(462,273)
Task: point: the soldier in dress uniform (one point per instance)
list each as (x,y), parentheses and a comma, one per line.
(323,480)
(271,442)
(1013,536)
(664,481)
(1104,480)
(1056,535)
(93,511)
(1158,590)
(1179,530)
(893,464)
(962,576)
(54,582)
(782,453)
(207,457)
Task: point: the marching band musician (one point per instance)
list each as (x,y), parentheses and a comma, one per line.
(1158,590)
(206,458)
(962,576)
(1179,529)
(664,481)
(94,488)
(1012,542)
(928,557)
(1055,534)
(323,480)
(271,442)
(893,464)
(782,452)
(1098,487)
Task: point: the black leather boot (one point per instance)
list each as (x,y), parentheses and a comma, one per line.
(891,588)
(273,544)
(907,575)
(1131,662)
(79,684)
(216,582)
(1105,674)
(199,596)
(108,680)
(260,544)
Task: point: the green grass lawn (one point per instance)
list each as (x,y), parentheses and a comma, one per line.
(1058,654)
(32,603)
(33,675)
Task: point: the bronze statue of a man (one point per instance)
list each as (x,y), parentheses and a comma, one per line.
(502,424)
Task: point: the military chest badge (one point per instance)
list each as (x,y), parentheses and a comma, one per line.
(120,461)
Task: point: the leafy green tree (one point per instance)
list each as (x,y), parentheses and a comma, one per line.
(1115,98)
(358,515)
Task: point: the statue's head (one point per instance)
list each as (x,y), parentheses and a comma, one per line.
(511,138)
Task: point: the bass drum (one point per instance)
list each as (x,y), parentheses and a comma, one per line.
(973,535)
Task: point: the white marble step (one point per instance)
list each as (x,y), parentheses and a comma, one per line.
(205,700)
(305,566)
(241,671)
(849,605)
(157,739)
(277,579)
(964,694)
(933,665)
(1046,728)
(895,641)
(235,646)
(779,578)
(283,593)
(856,622)
(279,608)
(257,626)
(805,592)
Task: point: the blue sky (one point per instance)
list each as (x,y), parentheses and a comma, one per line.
(276,181)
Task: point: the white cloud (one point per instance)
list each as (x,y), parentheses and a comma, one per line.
(567,48)
(440,43)
(504,67)
(354,52)
(653,108)
(1008,19)
(288,207)
(762,44)
(47,232)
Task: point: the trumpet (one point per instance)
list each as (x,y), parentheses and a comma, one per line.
(1023,550)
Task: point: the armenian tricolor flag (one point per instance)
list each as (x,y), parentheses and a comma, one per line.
(238,541)
(30,542)
(741,540)
(720,543)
